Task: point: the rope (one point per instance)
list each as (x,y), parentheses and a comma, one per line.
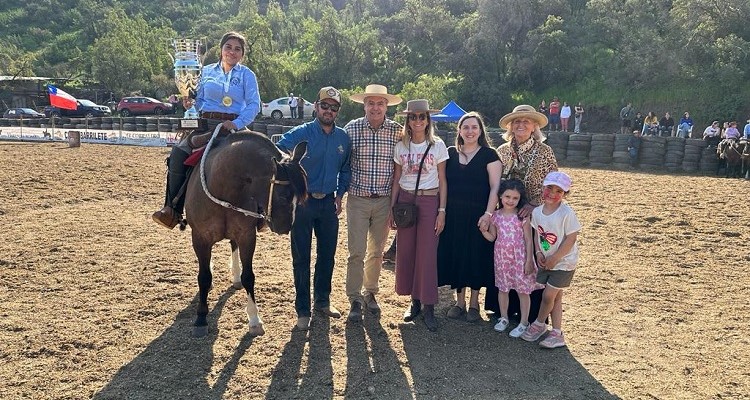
(222,203)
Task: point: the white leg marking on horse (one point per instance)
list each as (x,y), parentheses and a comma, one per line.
(236,268)
(254,321)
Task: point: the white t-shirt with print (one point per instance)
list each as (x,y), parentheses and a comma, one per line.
(565,112)
(550,231)
(409,157)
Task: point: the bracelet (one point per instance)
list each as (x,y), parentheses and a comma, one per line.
(441,209)
(488,213)
(539,252)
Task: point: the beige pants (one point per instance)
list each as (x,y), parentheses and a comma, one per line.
(366,221)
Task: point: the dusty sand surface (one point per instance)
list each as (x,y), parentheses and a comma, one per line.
(98,301)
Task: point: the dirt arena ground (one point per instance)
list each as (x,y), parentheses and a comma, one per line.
(98,301)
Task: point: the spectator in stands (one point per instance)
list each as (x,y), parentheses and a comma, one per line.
(578,117)
(686,126)
(554,114)
(666,124)
(732,132)
(565,116)
(626,115)
(543,108)
(300,107)
(747,130)
(712,134)
(650,124)
(638,121)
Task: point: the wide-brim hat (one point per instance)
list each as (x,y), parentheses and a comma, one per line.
(418,106)
(376,91)
(524,111)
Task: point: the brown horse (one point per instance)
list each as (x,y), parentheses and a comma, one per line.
(245,182)
(745,158)
(730,152)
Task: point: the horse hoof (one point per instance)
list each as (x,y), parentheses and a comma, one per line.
(256,330)
(200,331)
(237,285)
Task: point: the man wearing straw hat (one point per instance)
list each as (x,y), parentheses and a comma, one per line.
(373,138)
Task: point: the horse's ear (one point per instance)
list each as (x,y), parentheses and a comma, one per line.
(299,151)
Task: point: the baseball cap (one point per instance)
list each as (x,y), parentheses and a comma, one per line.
(560,179)
(329,92)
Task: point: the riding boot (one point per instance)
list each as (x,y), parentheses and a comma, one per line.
(414,309)
(171,214)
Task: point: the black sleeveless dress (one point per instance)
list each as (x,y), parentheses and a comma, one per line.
(465,257)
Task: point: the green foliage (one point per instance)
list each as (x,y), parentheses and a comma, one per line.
(489,55)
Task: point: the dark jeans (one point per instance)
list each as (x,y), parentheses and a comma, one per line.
(317,216)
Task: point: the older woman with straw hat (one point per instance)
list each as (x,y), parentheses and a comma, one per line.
(524,156)
(419,177)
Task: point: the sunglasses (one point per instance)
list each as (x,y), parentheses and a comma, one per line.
(414,117)
(332,107)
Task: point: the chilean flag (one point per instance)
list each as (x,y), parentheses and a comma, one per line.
(58,98)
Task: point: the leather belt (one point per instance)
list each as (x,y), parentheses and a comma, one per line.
(372,196)
(424,192)
(218,115)
(319,196)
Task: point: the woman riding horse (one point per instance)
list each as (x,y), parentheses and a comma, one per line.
(228,95)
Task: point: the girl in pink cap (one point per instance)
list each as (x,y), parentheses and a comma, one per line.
(556,253)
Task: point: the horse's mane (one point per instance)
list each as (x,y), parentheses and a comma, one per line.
(296,176)
(257,139)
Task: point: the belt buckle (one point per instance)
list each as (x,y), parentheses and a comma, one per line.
(374,196)
(318,196)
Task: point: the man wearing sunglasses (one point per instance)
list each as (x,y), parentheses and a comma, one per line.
(328,174)
(374,137)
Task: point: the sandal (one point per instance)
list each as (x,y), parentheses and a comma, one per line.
(455,312)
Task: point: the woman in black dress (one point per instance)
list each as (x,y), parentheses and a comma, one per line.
(464,258)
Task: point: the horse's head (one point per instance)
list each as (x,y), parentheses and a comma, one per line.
(289,188)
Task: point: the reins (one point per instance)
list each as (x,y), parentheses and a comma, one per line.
(227,204)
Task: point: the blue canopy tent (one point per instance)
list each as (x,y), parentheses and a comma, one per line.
(450,113)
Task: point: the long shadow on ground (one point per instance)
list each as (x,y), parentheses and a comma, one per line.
(176,365)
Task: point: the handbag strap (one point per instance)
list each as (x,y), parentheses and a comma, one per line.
(419,172)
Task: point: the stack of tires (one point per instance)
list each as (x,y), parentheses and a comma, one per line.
(620,155)
(107,123)
(602,149)
(675,154)
(128,123)
(579,147)
(709,163)
(692,154)
(651,155)
(559,143)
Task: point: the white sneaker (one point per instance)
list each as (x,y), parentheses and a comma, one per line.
(518,331)
(501,324)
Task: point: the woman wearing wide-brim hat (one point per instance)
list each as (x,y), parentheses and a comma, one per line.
(524,156)
(416,249)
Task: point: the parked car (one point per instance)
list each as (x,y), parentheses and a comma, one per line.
(279,108)
(143,105)
(25,113)
(86,108)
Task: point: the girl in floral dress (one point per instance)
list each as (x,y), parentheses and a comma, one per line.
(514,249)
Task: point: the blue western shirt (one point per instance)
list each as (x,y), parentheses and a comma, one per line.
(239,84)
(327,159)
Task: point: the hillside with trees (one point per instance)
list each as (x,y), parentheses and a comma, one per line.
(487,54)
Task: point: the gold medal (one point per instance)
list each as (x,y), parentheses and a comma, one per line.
(227,101)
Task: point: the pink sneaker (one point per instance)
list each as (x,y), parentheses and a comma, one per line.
(534,332)
(553,340)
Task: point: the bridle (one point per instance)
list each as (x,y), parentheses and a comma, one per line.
(227,204)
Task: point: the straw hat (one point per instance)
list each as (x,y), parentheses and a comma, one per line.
(524,111)
(376,91)
(418,106)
